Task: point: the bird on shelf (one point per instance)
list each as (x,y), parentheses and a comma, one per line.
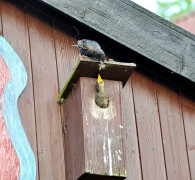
(91,49)
(101,97)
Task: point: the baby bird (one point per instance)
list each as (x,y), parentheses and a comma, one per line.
(101,97)
(91,49)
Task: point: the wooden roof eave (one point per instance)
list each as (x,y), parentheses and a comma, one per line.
(135,28)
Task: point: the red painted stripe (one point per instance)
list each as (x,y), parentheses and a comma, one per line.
(9,162)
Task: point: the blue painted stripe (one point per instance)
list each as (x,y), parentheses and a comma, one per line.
(10,111)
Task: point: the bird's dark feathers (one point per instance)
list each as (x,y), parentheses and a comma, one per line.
(91,49)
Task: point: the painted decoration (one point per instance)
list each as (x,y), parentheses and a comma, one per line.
(9,162)
(17,160)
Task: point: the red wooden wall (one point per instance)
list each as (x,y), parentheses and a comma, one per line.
(187,22)
(159,118)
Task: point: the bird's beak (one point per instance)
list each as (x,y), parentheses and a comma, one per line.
(74,45)
(99,79)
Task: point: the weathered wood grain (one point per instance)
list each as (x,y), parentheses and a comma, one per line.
(95,142)
(47,114)
(49,127)
(137,29)
(13,18)
(66,57)
(188,109)
(74,135)
(149,132)
(65,53)
(132,151)
(103,130)
(1,28)
(172,132)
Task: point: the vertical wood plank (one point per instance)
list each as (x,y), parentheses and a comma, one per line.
(66,57)
(49,127)
(132,151)
(149,132)
(65,53)
(1,28)
(188,108)
(74,137)
(16,32)
(173,133)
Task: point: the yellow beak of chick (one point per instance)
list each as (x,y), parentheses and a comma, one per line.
(99,79)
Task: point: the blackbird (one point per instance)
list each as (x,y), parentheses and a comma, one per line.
(101,97)
(91,49)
